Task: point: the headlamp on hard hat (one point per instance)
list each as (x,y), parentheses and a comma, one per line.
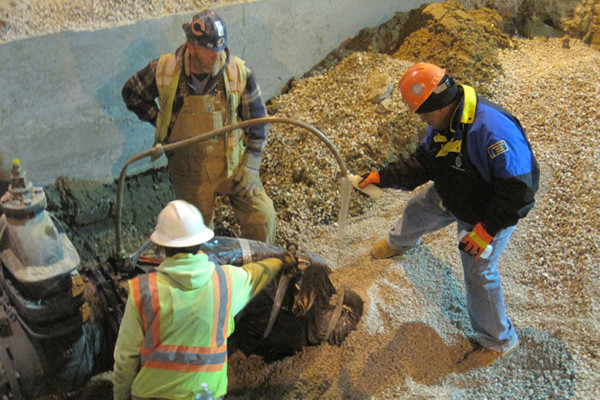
(207,29)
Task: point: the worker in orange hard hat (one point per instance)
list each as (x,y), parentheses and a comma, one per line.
(484,178)
(426,87)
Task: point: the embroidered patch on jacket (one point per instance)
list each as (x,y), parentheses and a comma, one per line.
(497,148)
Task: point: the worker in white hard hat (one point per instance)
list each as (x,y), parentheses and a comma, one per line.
(196,89)
(173,335)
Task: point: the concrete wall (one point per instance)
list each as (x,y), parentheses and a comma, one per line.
(61,111)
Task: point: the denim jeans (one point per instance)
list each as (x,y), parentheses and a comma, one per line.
(424,213)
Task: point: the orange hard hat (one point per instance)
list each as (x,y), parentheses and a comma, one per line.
(418,82)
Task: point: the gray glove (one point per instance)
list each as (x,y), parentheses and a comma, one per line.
(247,175)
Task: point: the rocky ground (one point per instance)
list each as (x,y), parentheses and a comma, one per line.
(415,327)
(30,18)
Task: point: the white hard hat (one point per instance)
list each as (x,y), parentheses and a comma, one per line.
(180,224)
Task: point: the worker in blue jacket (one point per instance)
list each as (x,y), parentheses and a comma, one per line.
(484,178)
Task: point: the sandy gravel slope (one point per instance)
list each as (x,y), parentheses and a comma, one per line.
(415,325)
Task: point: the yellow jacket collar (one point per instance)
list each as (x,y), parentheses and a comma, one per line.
(469,107)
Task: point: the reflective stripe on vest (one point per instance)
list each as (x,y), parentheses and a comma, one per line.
(235,84)
(167,80)
(184,358)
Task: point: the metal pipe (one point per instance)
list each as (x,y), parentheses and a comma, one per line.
(159,150)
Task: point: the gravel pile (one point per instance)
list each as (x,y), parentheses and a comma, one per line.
(415,327)
(300,172)
(30,18)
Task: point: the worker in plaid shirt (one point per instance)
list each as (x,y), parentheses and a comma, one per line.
(201,87)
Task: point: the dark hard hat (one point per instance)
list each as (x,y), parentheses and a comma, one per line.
(207,29)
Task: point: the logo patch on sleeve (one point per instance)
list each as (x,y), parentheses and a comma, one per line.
(497,148)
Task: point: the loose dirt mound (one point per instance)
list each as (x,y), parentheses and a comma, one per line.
(446,34)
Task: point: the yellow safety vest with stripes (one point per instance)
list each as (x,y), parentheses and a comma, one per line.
(168,71)
(165,346)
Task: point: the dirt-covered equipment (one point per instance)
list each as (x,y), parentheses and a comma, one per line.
(297,309)
(49,340)
(59,320)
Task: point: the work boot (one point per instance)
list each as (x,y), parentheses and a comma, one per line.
(382,249)
(482,357)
